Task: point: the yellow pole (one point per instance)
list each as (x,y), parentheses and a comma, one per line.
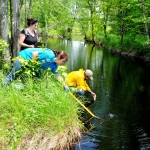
(84,107)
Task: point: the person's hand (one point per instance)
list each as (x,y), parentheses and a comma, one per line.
(31,46)
(66,88)
(94,96)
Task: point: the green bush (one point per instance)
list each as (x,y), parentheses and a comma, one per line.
(3,44)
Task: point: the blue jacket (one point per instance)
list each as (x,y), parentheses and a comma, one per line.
(45,56)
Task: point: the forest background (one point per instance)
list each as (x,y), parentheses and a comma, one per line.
(121,25)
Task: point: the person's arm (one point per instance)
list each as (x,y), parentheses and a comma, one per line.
(88,89)
(60,79)
(93,94)
(21,41)
(83,85)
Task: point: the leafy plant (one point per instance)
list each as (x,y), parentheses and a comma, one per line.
(3,44)
(29,68)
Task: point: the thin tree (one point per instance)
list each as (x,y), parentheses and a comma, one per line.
(29,10)
(15,25)
(4,27)
(146,23)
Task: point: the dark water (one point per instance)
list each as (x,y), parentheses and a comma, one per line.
(123,98)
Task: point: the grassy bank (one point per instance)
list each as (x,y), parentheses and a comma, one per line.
(39,116)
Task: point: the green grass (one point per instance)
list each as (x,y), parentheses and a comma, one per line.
(41,107)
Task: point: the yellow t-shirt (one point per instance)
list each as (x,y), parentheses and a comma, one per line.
(76,79)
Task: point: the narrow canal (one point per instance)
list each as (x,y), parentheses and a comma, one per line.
(123,97)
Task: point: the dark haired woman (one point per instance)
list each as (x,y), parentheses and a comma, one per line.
(48,59)
(28,37)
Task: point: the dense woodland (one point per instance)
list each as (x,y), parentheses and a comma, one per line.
(121,25)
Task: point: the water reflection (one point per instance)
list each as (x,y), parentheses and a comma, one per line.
(123,97)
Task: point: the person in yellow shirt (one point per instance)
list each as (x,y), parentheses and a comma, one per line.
(78,79)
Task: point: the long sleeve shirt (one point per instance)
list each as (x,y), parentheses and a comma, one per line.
(76,79)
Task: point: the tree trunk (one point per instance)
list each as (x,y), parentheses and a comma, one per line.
(92,24)
(29,10)
(25,14)
(105,21)
(91,21)
(4,28)
(121,22)
(146,24)
(15,24)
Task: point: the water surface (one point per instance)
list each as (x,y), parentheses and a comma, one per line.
(123,97)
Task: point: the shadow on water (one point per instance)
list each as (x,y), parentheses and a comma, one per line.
(123,98)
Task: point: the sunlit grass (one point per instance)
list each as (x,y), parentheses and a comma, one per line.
(41,106)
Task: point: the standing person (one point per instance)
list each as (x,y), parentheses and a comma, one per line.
(78,79)
(28,37)
(48,59)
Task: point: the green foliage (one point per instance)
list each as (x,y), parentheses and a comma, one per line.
(3,44)
(99,20)
(29,68)
(42,106)
(33,68)
(62,71)
(134,45)
(112,42)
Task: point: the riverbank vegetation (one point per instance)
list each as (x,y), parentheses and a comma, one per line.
(116,25)
(29,116)
(122,26)
(38,115)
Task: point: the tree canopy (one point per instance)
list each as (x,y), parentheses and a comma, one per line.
(118,24)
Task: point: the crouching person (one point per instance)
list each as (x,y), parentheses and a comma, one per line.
(49,59)
(78,80)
